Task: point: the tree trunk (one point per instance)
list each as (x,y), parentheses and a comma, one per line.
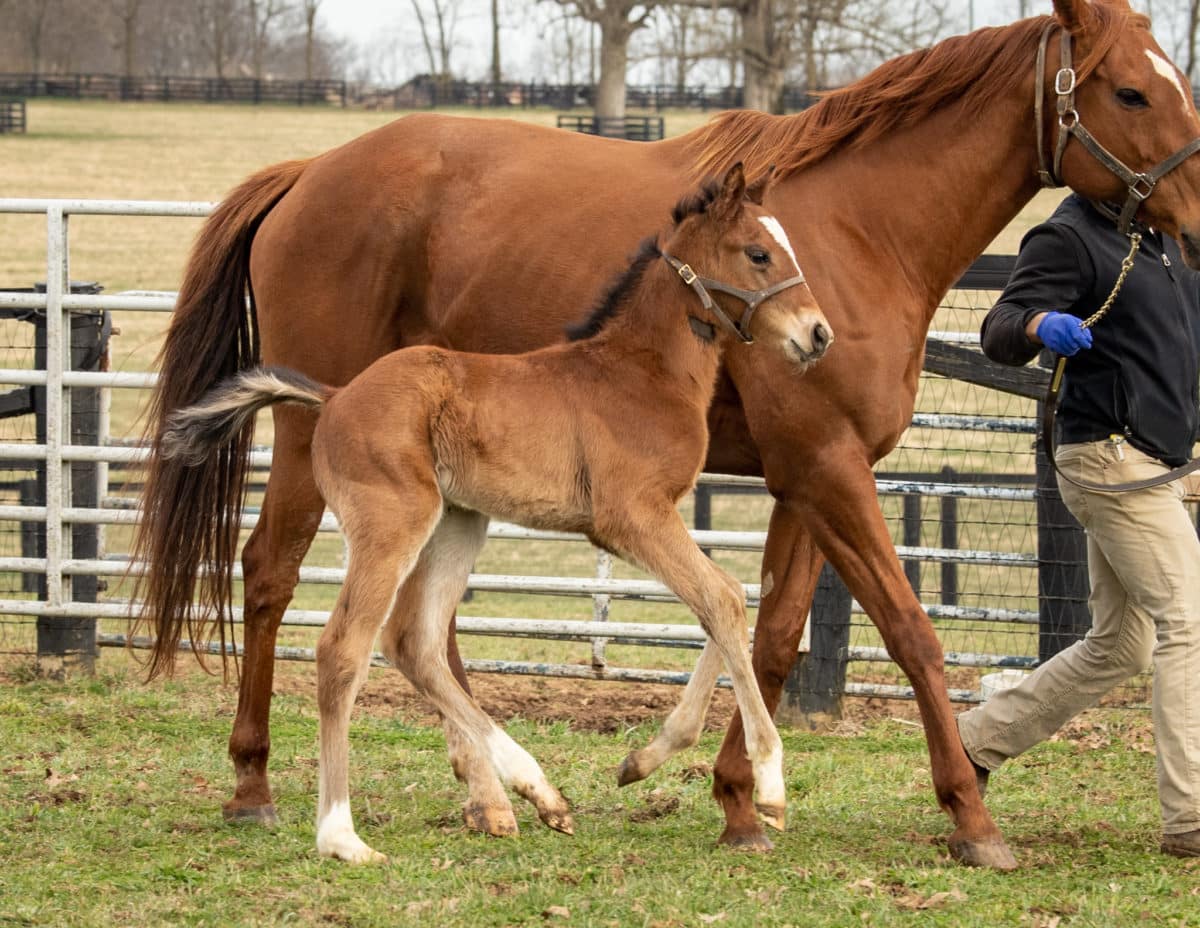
(761,61)
(495,41)
(614,59)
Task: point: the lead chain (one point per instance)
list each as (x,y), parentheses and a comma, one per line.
(1135,239)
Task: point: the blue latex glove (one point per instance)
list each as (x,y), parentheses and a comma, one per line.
(1062,334)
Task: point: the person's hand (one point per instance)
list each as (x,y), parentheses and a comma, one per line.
(1063,334)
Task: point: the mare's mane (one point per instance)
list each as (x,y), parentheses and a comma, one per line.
(973,69)
(617,293)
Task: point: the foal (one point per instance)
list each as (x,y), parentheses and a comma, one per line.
(601,435)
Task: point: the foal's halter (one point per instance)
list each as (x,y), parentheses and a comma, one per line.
(1140,185)
(752,298)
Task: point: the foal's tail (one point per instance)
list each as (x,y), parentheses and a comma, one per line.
(195,433)
(187,539)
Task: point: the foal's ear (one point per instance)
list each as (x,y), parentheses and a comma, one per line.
(728,204)
(757,190)
(1075,15)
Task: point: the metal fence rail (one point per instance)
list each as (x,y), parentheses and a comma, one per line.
(58,514)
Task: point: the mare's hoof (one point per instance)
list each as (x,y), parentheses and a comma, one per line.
(249,815)
(772,816)
(498,822)
(992,853)
(743,840)
(629,771)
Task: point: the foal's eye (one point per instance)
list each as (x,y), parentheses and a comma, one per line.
(757,255)
(1132,98)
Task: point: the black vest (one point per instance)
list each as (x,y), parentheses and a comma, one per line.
(1140,377)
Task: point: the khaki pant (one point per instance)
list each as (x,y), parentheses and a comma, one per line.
(1144,567)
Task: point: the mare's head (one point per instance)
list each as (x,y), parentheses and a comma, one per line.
(748,284)
(1137,105)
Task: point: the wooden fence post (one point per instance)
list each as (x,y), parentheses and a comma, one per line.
(815,687)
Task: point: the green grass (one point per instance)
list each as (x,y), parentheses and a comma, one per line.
(109,807)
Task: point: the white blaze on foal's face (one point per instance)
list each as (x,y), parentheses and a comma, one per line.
(771,224)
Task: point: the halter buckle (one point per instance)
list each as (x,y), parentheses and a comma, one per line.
(1064,81)
(686,272)
(1142,186)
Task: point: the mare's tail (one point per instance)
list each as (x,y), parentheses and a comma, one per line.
(187,539)
(195,433)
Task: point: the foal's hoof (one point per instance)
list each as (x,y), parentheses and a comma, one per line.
(498,822)
(249,815)
(630,771)
(754,840)
(992,853)
(772,815)
(559,820)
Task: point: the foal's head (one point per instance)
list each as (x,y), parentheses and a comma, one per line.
(748,283)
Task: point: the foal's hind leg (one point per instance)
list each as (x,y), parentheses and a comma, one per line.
(659,541)
(431,591)
(384,539)
(416,643)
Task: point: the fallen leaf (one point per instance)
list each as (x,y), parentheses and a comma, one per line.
(556,911)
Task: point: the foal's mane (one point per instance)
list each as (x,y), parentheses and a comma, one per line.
(618,292)
(974,69)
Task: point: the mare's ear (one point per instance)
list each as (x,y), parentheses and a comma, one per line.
(756,190)
(728,204)
(1075,15)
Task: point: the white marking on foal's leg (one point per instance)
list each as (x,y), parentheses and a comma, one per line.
(519,770)
(336,837)
(773,226)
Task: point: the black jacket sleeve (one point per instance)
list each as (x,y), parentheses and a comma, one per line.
(1053,272)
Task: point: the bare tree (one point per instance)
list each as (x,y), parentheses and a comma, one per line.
(1189,39)
(262,13)
(438,41)
(126,12)
(310,8)
(617,20)
(220,28)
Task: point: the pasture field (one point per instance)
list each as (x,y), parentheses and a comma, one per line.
(109,805)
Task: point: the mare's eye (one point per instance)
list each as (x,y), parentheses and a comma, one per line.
(1133,98)
(757,255)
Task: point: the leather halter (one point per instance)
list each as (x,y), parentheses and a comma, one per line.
(752,298)
(1140,184)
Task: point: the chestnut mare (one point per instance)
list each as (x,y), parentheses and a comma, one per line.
(480,234)
(417,451)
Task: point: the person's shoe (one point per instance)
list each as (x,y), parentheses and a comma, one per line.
(1186,844)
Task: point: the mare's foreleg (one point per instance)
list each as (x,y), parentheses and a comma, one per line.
(434,588)
(291,513)
(845,520)
(789,574)
(658,540)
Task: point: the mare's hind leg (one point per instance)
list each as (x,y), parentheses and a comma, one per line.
(385,536)
(291,512)
(434,588)
(658,540)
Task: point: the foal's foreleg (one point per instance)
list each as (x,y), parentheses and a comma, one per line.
(431,592)
(383,540)
(681,729)
(661,544)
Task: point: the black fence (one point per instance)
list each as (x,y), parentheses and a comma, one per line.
(420,93)
(632,128)
(12,116)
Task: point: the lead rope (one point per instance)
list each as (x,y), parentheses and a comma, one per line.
(1050,406)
